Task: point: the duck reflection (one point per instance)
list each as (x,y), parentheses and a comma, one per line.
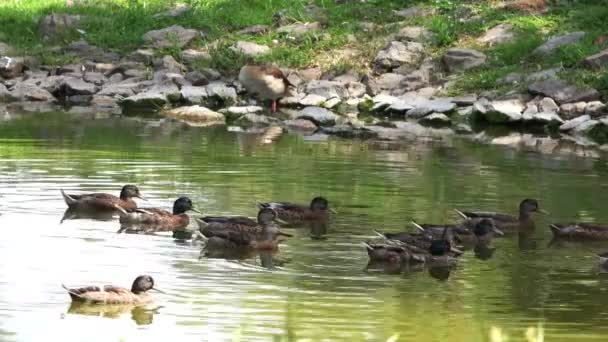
(140,314)
(74,214)
(263,258)
(440,272)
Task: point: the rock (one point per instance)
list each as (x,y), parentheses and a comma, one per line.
(28,92)
(79,100)
(251,119)
(548,74)
(300,125)
(542,118)
(504,111)
(53,25)
(11,67)
(136,73)
(99,101)
(412,12)
(178,11)
(116,78)
(422,108)
(320,116)
(76,86)
(313,100)
(194,94)
(168,63)
(599,60)
(5,49)
(350,132)
(397,54)
(255,30)
(310,74)
(327,89)
(298,30)
(355,89)
(595,108)
(457,59)
(222,93)
(382,101)
(347,77)
(191,56)
(548,105)
(152,99)
(210,74)
(416,34)
(96,78)
(465,111)
(250,49)
(436,119)
(465,100)
(123,89)
(196,78)
(5,95)
(173,36)
(562,92)
(511,78)
(572,110)
(586,126)
(498,34)
(145,56)
(242,110)
(385,83)
(331,103)
(559,41)
(571,124)
(198,115)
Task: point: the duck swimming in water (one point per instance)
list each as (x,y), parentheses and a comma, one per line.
(110,294)
(508,223)
(103,201)
(159,219)
(317,210)
(580,231)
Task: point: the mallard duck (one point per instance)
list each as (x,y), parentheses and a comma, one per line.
(103,201)
(440,251)
(580,231)
(507,223)
(296,213)
(110,294)
(268,82)
(160,219)
(232,234)
(470,233)
(424,239)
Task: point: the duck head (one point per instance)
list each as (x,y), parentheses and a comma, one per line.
(129,191)
(182,205)
(528,206)
(319,204)
(142,284)
(267,218)
(486,226)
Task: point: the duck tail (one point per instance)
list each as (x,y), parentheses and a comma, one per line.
(71,292)
(67,198)
(367,246)
(461,214)
(555,229)
(419,227)
(380,234)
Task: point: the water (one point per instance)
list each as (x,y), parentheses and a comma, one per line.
(317,288)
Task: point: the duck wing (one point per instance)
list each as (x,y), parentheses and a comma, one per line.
(241,220)
(107,294)
(490,215)
(284,206)
(580,230)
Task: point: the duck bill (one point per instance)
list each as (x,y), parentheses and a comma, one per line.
(456,250)
(333,211)
(285,234)
(540,211)
(157,290)
(498,231)
(195,210)
(279,221)
(142,198)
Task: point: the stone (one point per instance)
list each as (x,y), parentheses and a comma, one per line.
(194,94)
(320,116)
(562,92)
(355,89)
(169,64)
(116,78)
(310,74)
(145,56)
(586,126)
(548,74)
(298,30)
(255,30)
(11,67)
(251,119)
(465,111)
(152,99)
(191,56)
(76,86)
(572,110)
(221,92)
(196,78)
(242,110)
(416,34)
(397,54)
(28,92)
(552,44)
(123,89)
(313,100)
(511,78)
(595,108)
(331,103)
(382,101)
(197,115)
(169,37)
(250,49)
(548,105)
(136,73)
(504,111)
(300,125)
(542,118)
(347,77)
(498,34)
(96,78)
(178,11)
(211,74)
(424,107)
(465,100)
(598,60)
(412,12)
(457,59)
(100,101)
(80,100)
(385,83)
(326,89)
(571,124)
(53,25)
(436,119)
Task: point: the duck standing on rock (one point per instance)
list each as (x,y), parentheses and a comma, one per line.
(103,201)
(110,294)
(268,82)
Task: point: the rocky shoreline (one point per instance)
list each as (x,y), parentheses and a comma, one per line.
(402,97)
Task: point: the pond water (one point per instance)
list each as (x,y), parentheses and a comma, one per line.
(317,288)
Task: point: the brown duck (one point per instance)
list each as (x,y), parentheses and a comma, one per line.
(507,223)
(439,252)
(159,219)
(103,201)
(110,294)
(469,233)
(580,231)
(296,213)
(268,82)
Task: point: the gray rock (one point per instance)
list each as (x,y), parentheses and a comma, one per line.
(11,67)
(542,118)
(548,74)
(251,119)
(504,111)
(196,78)
(586,126)
(136,73)
(416,34)
(300,125)
(194,95)
(457,59)
(79,100)
(220,91)
(382,101)
(559,41)
(5,95)
(152,99)
(76,86)
(355,89)
(511,78)
(531,108)
(53,25)
(599,60)
(242,110)
(116,78)
(397,54)
(440,105)
(178,11)
(195,115)
(571,124)
(331,103)
(96,78)
(191,56)
(124,89)
(211,74)
(100,101)
(143,56)
(436,119)
(465,100)
(595,108)
(572,110)
(412,12)
(327,89)
(418,113)
(548,105)
(320,116)
(250,49)
(562,92)
(298,30)
(168,63)
(498,34)
(465,111)
(255,30)
(28,92)
(385,83)
(313,100)
(173,36)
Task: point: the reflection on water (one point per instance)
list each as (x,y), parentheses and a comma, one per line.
(318,286)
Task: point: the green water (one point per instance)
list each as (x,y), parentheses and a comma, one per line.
(317,288)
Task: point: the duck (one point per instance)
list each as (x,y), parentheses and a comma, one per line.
(160,219)
(317,210)
(265,235)
(103,201)
(110,294)
(439,252)
(579,231)
(469,233)
(508,223)
(268,82)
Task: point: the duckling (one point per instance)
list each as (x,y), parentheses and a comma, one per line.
(318,210)
(508,223)
(103,201)
(110,294)
(160,219)
(268,82)
(580,231)
(229,235)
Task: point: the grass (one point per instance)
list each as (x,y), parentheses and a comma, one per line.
(456,24)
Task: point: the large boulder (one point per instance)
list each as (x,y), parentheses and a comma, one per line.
(573,123)
(563,92)
(457,59)
(502,111)
(194,94)
(29,92)
(386,83)
(195,115)
(559,41)
(221,93)
(76,86)
(172,36)
(397,54)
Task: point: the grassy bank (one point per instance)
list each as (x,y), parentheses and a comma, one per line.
(119,25)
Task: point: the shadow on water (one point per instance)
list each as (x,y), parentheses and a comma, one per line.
(140,314)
